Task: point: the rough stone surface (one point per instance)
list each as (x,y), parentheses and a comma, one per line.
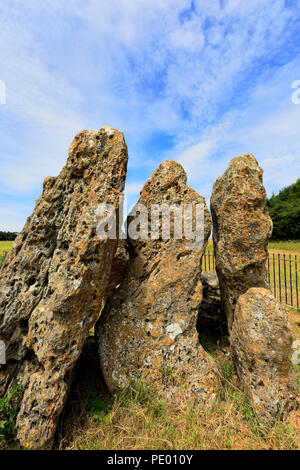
(148,329)
(210,282)
(54,280)
(261,346)
(242,226)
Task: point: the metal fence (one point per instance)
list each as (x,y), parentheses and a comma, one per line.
(283,275)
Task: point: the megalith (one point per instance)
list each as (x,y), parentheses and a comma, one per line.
(147,330)
(261,347)
(241,229)
(55,278)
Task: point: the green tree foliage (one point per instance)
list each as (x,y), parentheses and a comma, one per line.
(284,210)
(8,236)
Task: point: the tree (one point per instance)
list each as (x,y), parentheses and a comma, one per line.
(284,209)
(8,236)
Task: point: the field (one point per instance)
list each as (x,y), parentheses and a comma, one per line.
(5,246)
(290,246)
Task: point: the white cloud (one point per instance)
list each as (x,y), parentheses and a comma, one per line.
(268,127)
(133,188)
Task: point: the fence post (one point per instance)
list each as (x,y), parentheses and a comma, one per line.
(296,271)
(274,274)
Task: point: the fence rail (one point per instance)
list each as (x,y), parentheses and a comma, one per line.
(283,275)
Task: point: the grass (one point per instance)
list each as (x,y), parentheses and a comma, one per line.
(5,246)
(135,419)
(143,423)
(8,413)
(290,246)
(286,246)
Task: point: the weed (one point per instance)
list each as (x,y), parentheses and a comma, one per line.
(167,376)
(98,409)
(8,413)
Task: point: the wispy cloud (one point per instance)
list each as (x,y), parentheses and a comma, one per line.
(205,80)
(267,126)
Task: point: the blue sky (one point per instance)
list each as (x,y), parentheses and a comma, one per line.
(197,81)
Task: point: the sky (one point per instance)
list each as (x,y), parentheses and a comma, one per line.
(199,82)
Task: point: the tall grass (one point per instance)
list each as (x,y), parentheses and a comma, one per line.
(137,420)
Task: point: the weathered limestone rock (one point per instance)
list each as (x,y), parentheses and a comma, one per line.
(210,282)
(261,346)
(148,329)
(242,226)
(54,280)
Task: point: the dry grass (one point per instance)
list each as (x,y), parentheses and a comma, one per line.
(138,421)
(149,425)
(5,247)
(133,419)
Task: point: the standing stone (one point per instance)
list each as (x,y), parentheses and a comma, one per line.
(54,280)
(241,229)
(147,330)
(261,345)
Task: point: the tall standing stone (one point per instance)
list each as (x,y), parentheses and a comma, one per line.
(261,346)
(54,280)
(241,229)
(147,330)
